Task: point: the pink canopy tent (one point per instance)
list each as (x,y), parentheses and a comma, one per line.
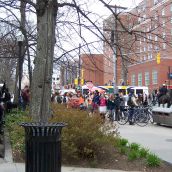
(98,89)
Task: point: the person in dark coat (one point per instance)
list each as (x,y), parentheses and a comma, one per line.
(162,91)
(95,101)
(111,107)
(117,102)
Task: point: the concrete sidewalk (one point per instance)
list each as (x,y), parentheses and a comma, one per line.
(158,139)
(20,167)
(7,165)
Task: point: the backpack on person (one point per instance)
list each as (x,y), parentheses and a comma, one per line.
(130,101)
(59,99)
(64,99)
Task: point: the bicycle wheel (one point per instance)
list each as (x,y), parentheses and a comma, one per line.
(141,119)
(151,120)
(122,117)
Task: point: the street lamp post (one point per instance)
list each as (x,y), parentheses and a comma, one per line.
(20,39)
(114,42)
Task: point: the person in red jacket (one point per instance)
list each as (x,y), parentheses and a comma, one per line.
(102,106)
(25,97)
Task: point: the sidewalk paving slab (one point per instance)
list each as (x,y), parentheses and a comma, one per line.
(20,167)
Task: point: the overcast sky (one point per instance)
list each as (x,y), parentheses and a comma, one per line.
(99,8)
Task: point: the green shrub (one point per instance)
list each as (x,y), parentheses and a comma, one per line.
(83,137)
(152,160)
(122,142)
(16,132)
(143,152)
(133,155)
(123,150)
(134,146)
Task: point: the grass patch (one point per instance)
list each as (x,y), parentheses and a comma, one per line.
(133,155)
(152,160)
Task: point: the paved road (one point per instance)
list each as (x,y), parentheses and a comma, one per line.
(157,138)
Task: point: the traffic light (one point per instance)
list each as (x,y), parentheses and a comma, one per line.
(82,81)
(76,81)
(158,58)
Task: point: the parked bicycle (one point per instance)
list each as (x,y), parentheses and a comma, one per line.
(141,116)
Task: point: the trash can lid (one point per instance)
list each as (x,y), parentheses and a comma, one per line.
(43,124)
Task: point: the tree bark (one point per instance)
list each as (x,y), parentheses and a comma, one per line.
(42,74)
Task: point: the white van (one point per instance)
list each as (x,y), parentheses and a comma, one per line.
(139,90)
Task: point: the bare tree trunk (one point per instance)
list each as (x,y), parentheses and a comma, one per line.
(42,75)
(22,28)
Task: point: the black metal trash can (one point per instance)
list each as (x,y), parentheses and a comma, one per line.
(43,146)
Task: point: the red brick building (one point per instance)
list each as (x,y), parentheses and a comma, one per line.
(151,26)
(155,21)
(115,47)
(92,68)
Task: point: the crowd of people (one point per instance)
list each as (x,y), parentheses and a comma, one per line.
(109,105)
(94,102)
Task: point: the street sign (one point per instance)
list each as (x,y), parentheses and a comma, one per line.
(170,76)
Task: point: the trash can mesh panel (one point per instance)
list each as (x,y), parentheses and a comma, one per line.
(43,146)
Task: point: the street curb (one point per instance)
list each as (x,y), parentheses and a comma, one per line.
(8,150)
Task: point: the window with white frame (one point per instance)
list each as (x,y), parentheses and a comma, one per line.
(148,56)
(147,79)
(164,45)
(151,55)
(144,17)
(163,22)
(140,79)
(133,79)
(171,7)
(163,35)
(150,37)
(171,20)
(154,77)
(163,12)
(156,38)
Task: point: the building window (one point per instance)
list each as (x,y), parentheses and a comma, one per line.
(163,23)
(164,45)
(171,20)
(133,79)
(156,38)
(163,12)
(140,79)
(171,7)
(163,35)
(154,77)
(147,80)
(151,55)
(148,56)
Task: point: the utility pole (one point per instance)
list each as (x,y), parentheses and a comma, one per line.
(114,42)
(79,66)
